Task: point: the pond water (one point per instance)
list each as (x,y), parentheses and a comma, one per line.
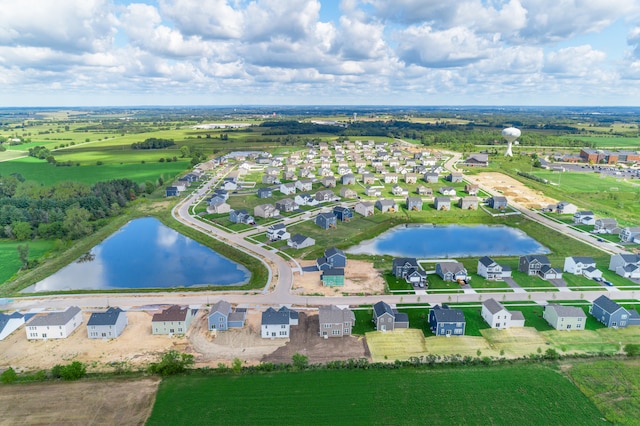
(428,241)
(145,254)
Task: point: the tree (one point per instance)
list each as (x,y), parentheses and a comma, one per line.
(237,365)
(76,222)
(300,361)
(22,231)
(172,362)
(184,151)
(23,253)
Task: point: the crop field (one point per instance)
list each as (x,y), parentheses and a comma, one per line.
(610,141)
(613,386)
(499,396)
(9,255)
(45,173)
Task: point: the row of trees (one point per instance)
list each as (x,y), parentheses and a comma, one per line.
(153,143)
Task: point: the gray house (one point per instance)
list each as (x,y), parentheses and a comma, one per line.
(333,258)
(468,203)
(348,179)
(613,315)
(442,203)
(335,322)
(498,202)
(454,177)
(106,325)
(286,205)
(222,317)
(445,321)
(564,317)
(265,193)
(299,241)
(173,320)
(326,220)
(387,319)
(451,271)
(414,203)
(431,177)
(533,264)
(386,206)
(626,265)
(408,268)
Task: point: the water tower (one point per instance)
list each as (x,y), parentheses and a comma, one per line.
(510,134)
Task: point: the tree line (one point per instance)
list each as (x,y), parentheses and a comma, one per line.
(153,143)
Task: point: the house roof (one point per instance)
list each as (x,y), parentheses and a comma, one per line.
(583,259)
(493,306)
(335,272)
(172,313)
(333,252)
(386,202)
(54,318)
(401,317)
(333,314)
(414,200)
(403,261)
(442,200)
(326,216)
(567,311)
(277,227)
(516,316)
(4,318)
(221,306)
(273,317)
(109,317)
(382,308)
(486,261)
(298,238)
(499,199)
(607,304)
(540,258)
(584,213)
(453,267)
(341,209)
(446,314)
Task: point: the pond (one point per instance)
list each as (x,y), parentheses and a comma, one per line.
(428,241)
(145,254)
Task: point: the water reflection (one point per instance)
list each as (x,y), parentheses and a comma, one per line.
(145,254)
(450,241)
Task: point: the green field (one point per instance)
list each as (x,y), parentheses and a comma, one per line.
(498,396)
(9,255)
(610,141)
(45,173)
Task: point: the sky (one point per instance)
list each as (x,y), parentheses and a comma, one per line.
(319,52)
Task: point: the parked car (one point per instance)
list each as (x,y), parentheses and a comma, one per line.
(597,279)
(609,283)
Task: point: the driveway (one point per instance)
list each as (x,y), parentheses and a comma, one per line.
(561,284)
(514,285)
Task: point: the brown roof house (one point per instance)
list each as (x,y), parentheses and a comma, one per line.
(173,320)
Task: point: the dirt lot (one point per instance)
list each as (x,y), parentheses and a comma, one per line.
(113,402)
(515,191)
(135,346)
(211,348)
(360,277)
(305,340)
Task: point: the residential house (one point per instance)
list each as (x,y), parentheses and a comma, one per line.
(565,207)
(445,321)
(468,203)
(408,268)
(606,226)
(277,324)
(305,199)
(272,171)
(385,206)
(370,191)
(333,258)
(410,178)
(497,202)
(335,321)
(326,220)
(304,185)
(270,179)
(278,232)
(387,319)
(288,188)
(424,191)
(452,271)
(414,203)
(299,241)
(328,181)
(343,214)
(471,189)
(399,191)
(289,175)
(368,178)
(455,177)
(431,177)
(581,265)
(218,207)
(447,190)
(585,217)
(497,316)
(625,265)
(222,193)
(10,323)
(391,178)
(172,191)
(477,160)
(364,208)
(265,193)
(241,216)
(564,317)
(265,211)
(173,320)
(442,203)
(630,234)
(286,205)
(348,193)
(348,179)
(613,315)
(332,277)
(222,317)
(533,264)
(325,195)
(54,325)
(491,270)
(107,325)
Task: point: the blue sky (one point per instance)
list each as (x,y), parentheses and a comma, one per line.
(331,52)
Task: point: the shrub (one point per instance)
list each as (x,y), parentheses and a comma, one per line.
(172,362)
(632,349)
(74,371)
(300,361)
(8,376)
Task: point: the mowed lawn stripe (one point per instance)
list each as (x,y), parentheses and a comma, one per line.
(498,395)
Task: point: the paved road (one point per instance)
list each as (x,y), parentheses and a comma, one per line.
(280,280)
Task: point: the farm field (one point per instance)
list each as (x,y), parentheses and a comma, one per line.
(501,395)
(610,141)
(9,255)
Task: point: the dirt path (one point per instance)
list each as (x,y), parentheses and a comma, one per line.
(111,402)
(305,340)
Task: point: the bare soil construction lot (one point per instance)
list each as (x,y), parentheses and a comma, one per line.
(110,402)
(514,190)
(360,277)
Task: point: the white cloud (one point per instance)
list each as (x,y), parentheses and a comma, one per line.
(215,19)
(577,61)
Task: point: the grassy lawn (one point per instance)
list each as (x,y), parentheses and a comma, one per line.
(363,321)
(504,395)
(533,317)
(613,386)
(474,321)
(9,255)
(437,283)
(396,283)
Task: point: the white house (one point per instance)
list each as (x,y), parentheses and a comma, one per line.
(54,325)
(578,265)
(288,188)
(626,265)
(564,207)
(491,270)
(10,323)
(630,234)
(584,218)
(277,324)
(497,316)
